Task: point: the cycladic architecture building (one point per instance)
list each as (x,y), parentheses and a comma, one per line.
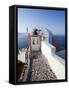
(40,42)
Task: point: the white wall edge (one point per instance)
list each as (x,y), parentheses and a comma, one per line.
(56,63)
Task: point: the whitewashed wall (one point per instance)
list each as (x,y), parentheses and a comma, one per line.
(21,57)
(57,64)
(35,47)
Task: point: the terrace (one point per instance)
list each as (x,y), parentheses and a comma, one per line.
(42,62)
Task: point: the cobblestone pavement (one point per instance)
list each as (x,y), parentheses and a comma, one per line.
(40,69)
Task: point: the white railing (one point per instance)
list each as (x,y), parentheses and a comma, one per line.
(56,63)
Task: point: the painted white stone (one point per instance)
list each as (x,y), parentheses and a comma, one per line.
(21,56)
(35,46)
(57,64)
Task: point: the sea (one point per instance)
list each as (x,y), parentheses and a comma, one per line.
(58,41)
(22,40)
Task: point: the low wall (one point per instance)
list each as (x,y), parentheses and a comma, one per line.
(56,63)
(27,70)
(21,57)
(24,78)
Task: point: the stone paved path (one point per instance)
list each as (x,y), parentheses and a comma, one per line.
(40,69)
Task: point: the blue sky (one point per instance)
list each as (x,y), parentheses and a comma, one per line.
(51,19)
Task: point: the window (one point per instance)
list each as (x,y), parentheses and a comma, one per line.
(33,41)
